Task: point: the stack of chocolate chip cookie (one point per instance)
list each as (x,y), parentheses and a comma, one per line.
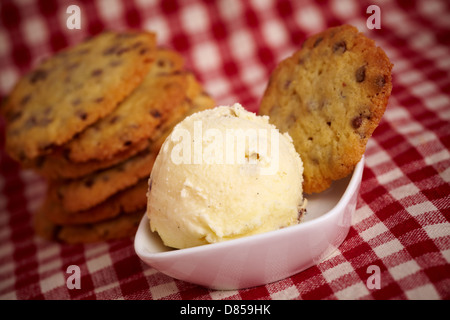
(91,119)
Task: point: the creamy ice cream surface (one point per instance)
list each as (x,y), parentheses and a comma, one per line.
(221,174)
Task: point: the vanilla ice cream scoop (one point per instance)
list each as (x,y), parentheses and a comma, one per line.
(222,174)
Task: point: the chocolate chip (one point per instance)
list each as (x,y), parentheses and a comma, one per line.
(155,113)
(82,115)
(110,50)
(115,63)
(122,51)
(340,47)
(96,72)
(25,99)
(44,121)
(143,51)
(380,81)
(287,83)
(114,119)
(318,40)
(14,115)
(360,74)
(127,143)
(47,111)
(357,122)
(34,121)
(137,45)
(37,75)
(329,123)
(291,119)
(98,100)
(76,102)
(133,126)
(188,100)
(89,182)
(72,66)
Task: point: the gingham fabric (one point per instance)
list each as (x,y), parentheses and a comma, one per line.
(401,224)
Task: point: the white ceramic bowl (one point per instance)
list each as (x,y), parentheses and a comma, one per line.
(264,258)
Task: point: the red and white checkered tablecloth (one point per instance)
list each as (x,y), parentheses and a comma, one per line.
(401,224)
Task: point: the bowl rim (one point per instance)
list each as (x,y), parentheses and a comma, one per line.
(351,188)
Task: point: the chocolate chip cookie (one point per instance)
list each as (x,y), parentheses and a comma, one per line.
(57,166)
(73,89)
(91,190)
(163,89)
(126,201)
(329,96)
(119,227)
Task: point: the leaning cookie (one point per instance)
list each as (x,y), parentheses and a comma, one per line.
(73,89)
(329,96)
